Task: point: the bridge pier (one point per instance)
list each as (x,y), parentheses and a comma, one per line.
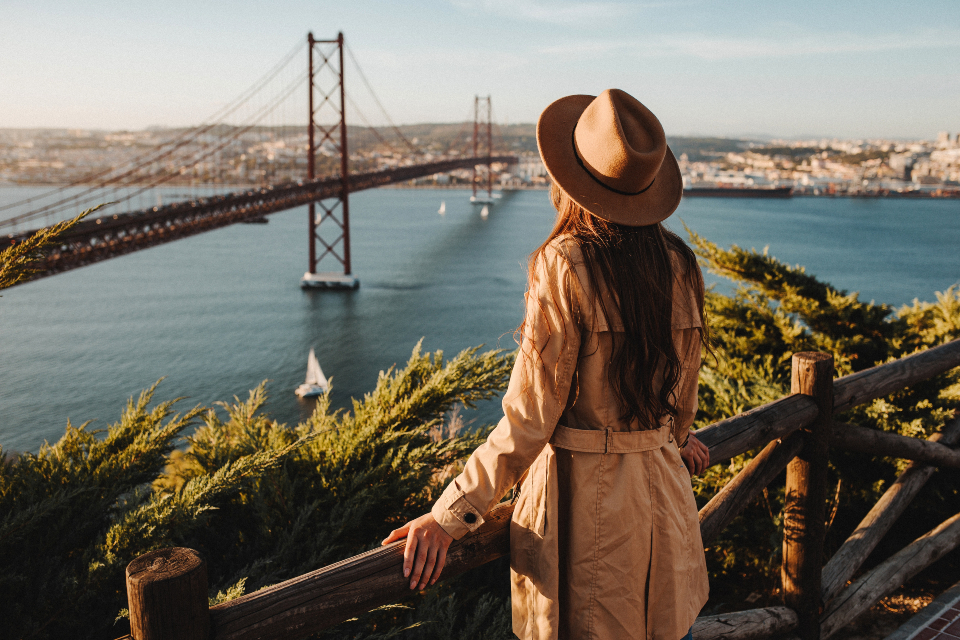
(329,280)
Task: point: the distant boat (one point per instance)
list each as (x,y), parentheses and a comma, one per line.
(443,207)
(738,192)
(316,383)
(485,211)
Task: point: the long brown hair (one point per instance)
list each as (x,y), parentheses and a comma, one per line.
(633,264)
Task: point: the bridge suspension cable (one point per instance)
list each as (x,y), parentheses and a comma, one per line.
(126,174)
(192,159)
(414,148)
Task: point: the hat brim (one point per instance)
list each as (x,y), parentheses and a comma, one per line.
(555,141)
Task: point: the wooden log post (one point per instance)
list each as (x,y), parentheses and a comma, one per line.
(167,596)
(806,495)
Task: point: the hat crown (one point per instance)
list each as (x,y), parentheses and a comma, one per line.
(620,142)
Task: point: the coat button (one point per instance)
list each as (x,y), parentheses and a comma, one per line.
(469,517)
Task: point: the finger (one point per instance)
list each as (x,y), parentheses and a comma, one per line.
(409,553)
(422,550)
(396,534)
(702,458)
(428,567)
(441,560)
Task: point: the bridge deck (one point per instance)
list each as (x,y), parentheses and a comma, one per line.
(112,236)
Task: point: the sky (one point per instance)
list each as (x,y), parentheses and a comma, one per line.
(807,68)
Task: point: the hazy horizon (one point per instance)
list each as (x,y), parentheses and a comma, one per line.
(753,137)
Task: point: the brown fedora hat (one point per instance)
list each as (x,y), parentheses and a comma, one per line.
(610,155)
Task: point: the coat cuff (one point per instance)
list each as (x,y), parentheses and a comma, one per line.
(454,514)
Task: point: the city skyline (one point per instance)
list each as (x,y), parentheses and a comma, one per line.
(858,70)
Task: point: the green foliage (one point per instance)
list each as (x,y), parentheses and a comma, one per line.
(778,310)
(262,502)
(17,261)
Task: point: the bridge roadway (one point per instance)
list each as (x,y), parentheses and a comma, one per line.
(111,236)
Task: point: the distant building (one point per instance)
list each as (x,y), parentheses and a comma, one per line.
(901,164)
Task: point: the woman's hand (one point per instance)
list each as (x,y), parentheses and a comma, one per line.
(426,551)
(695,455)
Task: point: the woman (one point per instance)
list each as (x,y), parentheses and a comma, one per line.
(605,541)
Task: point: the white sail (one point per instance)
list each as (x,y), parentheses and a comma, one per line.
(443,207)
(485,211)
(314,372)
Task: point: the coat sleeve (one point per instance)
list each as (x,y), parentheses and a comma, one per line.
(535,398)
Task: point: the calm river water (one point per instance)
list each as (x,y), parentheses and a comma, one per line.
(220,312)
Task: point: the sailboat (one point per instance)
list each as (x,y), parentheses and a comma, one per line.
(485,211)
(443,207)
(316,383)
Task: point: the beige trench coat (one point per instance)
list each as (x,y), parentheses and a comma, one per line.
(605,541)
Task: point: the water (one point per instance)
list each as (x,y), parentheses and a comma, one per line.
(219,312)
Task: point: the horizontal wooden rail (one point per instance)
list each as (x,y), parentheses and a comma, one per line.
(757,427)
(777,419)
(853,437)
(753,624)
(882,380)
(326,597)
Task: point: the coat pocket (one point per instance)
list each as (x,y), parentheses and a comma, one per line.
(533,547)
(540,490)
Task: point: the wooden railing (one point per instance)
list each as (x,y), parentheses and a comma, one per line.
(167,589)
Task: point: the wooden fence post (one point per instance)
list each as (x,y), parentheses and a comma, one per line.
(167,596)
(806,494)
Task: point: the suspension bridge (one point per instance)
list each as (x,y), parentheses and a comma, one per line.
(212,155)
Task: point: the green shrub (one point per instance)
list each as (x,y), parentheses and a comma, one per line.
(264,502)
(778,310)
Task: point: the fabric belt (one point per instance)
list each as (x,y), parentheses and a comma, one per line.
(610,441)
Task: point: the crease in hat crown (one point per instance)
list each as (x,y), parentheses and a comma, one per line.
(620,142)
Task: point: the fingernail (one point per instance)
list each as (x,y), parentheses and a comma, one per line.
(406,573)
(413,585)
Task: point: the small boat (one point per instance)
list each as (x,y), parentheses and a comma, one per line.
(443,207)
(316,383)
(485,211)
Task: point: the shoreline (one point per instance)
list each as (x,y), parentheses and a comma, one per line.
(758,193)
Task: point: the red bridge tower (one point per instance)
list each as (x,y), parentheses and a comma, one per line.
(482,136)
(331,228)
